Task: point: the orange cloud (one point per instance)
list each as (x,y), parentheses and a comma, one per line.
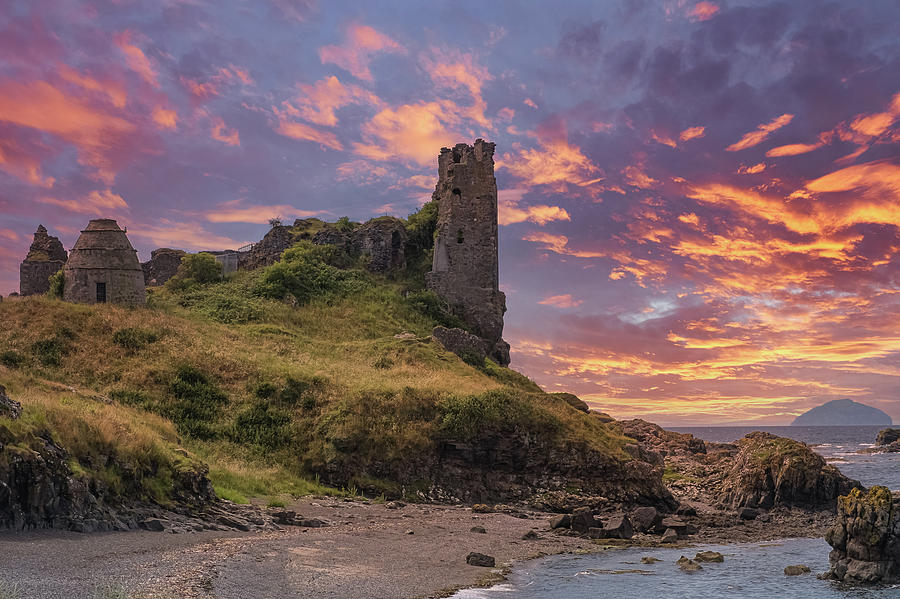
(530,103)
(301,131)
(166,119)
(752,170)
(236,212)
(692,133)
(212,86)
(559,244)
(222,133)
(18,162)
(506,114)
(561,301)
(636,177)
(555,163)
(458,70)
(703,11)
(97,203)
(41,106)
(760,134)
(510,213)
(663,139)
(186,235)
(792,149)
(410,132)
(873,125)
(318,102)
(136,59)
(110,89)
(355,56)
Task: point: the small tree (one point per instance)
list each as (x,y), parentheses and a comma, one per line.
(196,269)
(57,284)
(275,222)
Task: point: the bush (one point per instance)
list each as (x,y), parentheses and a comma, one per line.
(57,284)
(134,338)
(430,304)
(196,405)
(307,271)
(11,358)
(195,269)
(474,416)
(50,352)
(263,426)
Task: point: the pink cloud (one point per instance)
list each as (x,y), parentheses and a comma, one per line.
(703,11)
(98,203)
(221,132)
(760,134)
(355,55)
(561,301)
(136,59)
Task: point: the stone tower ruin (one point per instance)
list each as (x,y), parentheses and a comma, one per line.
(45,258)
(103,267)
(465,269)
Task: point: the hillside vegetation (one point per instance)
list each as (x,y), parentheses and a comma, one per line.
(310,375)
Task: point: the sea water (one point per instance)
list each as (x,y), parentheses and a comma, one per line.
(750,570)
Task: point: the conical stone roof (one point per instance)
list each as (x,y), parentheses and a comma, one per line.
(103,245)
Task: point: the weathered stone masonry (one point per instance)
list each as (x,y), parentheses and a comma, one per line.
(465,270)
(45,258)
(103,267)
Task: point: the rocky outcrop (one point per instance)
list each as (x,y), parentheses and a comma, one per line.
(887,441)
(866,538)
(268,251)
(771,471)
(9,408)
(381,241)
(45,258)
(467,346)
(162,266)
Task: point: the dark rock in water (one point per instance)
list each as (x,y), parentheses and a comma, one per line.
(478,529)
(748,513)
(9,408)
(650,560)
(688,565)
(480,559)
(770,471)
(866,538)
(887,436)
(842,412)
(709,556)
(561,521)
(646,519)
(619,528)
(583,519)
(796,570)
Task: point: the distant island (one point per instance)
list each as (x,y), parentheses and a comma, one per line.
(843,412)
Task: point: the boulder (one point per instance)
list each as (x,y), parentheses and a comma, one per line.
(645,519)
(481,560)
(583,519)
(686,510)
(152,524)
(709,557)
(596,532)
(462,343)
(887,436)
(770,471)
(530,536)
(619,528)
(676,524)
(796,570)
(9,408)
(748,513)
(866,538)
(561,521)
(670,536)
(688,565)
(478,530)
(649,560)
(574,401)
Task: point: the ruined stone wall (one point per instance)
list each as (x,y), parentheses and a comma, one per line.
(45,258)
(383,241)
(465,269)
(162,266)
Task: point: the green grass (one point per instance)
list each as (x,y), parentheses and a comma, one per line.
(9,590)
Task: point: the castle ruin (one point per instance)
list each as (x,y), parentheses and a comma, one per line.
(103,267)
(465,268)
(45,258)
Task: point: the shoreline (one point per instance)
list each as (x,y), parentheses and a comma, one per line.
(415,551)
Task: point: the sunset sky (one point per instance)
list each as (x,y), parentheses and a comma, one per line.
(700,201)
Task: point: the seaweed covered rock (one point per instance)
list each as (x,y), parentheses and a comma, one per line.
(865,538)
(887,441)
(770,471)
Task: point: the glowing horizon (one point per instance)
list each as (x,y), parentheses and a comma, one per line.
(699,201)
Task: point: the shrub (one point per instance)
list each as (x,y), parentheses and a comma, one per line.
(195,269)
(50,352)
(307,271)
(11,358)
(473,416)
(134,338)
(263,426)
(345,225)
(430,304)
(196,405)
(57,284)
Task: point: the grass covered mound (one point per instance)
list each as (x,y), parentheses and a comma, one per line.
(311,371)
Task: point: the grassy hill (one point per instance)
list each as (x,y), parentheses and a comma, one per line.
(311,375)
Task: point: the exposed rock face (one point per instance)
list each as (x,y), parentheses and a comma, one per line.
(103,267)
(887,441)
(45,258)
(770,470)
(465,269)
(842,412)
(382,240)
(9,408)
(268,251)
(162,266)
(866,538)
(574,401)
(462,343)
